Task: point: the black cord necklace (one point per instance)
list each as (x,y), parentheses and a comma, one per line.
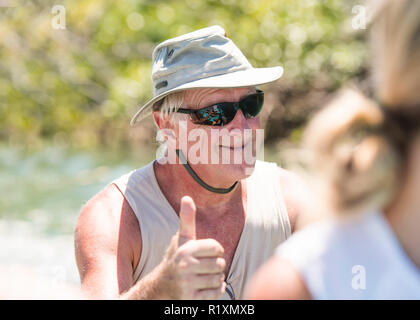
(184,162)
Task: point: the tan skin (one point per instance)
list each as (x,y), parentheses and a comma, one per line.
(278,279)
(108,237)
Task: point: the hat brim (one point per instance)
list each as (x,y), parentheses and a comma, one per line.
(238,79)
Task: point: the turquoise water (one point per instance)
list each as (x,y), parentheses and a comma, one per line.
(41,195)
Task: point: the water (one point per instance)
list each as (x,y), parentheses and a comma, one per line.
(42,193)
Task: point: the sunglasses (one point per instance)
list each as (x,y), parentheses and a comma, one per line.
(222,113)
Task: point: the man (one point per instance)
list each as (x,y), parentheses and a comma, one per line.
(185,226)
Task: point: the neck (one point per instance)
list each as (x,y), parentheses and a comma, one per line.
(175,182)
(197,178)
(405,221)
(404,213)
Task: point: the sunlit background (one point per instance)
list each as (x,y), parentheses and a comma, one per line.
(67,95)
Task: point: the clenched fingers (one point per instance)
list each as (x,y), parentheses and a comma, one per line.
(204,248)
(208,281)
(208,265)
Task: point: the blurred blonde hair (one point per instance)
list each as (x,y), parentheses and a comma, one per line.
(351,142)
(167,108)
(171,103)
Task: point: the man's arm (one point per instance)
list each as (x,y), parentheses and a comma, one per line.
(108,248)
(107,244)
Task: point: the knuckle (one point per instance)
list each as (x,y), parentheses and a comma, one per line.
(214,243)
(182,250)
(183,253)
(187,247)
(213,281)
(210,265)
(187,264)
(217,280)
(218,248)
(183,265)
(179,255)
(221,263)
(215,246)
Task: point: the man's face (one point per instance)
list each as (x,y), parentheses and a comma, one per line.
(228,151)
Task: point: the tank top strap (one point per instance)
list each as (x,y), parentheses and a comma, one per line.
(265,196)
(157,219)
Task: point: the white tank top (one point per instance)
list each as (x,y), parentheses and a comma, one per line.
(357,258)
(266,223)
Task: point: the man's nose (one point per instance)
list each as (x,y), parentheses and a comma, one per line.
(239,122)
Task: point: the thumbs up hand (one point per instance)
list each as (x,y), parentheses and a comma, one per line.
(186,220)
(194,267)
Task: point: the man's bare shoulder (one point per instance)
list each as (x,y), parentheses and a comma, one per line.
(106,208)
(106,222)
(107,244)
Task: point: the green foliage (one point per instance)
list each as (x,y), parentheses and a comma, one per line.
(82,84)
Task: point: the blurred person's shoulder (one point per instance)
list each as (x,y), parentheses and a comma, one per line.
(329,236)
(308,243)
(327,253)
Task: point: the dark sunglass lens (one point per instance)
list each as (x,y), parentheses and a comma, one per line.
(252,105)
(228,112)
(222,113)
(210,116)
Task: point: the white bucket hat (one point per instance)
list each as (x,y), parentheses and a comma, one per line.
(205,58)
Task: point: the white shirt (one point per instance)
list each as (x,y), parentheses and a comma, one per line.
(359,258)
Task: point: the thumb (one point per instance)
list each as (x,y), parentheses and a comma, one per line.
(187,220)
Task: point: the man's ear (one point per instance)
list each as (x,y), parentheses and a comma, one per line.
(165,125)
(157,119)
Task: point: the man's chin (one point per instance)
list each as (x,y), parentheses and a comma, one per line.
(237,171)
(241,160)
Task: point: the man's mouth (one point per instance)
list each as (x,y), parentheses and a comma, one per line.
(235,148)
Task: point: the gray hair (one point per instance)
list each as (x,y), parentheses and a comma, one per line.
(167,107)
(170,104)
